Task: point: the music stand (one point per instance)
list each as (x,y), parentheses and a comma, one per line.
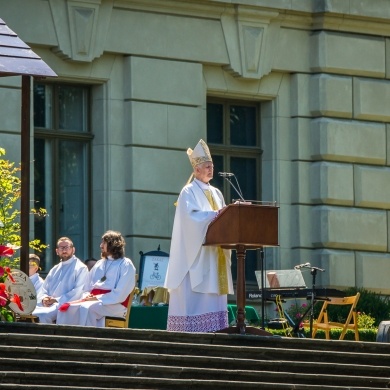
(244,227)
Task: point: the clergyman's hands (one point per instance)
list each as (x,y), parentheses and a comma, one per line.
(48,301)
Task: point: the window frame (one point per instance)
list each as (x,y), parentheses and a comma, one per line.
(227,151)
(55,135)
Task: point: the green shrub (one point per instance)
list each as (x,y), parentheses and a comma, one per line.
(368,335)
(365,321)
(10,193)
(370,304)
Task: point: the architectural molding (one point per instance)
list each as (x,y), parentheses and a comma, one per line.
(81,28)
(250,36)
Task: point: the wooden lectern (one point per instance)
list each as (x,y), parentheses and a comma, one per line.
(242,227)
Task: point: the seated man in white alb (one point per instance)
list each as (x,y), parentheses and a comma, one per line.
(107,291)
(63,283)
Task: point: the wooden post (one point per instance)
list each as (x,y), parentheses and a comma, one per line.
(25,174)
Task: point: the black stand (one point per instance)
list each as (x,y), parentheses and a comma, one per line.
(262,287)
(313,274)
(310,309)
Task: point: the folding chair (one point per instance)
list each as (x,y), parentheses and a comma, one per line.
(323,322)
(122,322)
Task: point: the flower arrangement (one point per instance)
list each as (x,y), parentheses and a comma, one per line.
(296,312)
(6,298)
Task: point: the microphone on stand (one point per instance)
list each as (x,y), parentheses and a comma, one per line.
(227,176)
(299,266)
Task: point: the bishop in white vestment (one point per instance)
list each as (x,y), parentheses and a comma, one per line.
(198,277)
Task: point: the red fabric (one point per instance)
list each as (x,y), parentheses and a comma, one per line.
(16,299)
(95,291)
(98,291)
(64,306)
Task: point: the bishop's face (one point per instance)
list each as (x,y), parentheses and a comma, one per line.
(205,171)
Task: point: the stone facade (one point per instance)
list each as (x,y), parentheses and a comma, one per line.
(320,69)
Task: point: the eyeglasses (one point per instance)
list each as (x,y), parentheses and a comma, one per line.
(64,248)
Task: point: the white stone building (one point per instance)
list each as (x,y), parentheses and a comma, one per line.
(293,96)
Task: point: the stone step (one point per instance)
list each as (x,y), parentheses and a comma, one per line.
(163,347)
(39,356)
(195,338)
(97,382)
(98,357)
(231,375)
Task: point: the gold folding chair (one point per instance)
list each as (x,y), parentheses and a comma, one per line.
(122,322)
(323,322)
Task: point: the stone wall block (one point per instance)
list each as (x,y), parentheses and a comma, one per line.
(293,54)
(160,81)
(349,228)
(150,162)
(300,191)
(146,223)
(372,187)
(10,103)
(163,125)
(333,262)
(387,42)
(300,138)
(388,143)
(372,271)
(300,95)
(388,231)
(331,183)
(342,53)
(331,96)
(371,99)
(185,36)
(348,141)
(300,226)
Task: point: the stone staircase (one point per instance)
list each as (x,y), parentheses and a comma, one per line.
(39,356)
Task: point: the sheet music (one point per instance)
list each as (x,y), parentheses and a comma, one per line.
(287,278)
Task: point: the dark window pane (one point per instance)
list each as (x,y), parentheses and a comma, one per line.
(245,172)
(233,129)
(72,108)
(218,167)
(243,125)
(72,171)
(215,123)
(42,106)
(40,198)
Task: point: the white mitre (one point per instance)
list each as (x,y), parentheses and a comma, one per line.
(200,154)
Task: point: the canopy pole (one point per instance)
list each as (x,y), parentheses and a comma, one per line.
(25,174)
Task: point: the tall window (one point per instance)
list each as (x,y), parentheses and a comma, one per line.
(61,160)
(233,135)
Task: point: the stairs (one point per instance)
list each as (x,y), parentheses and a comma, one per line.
(39,356)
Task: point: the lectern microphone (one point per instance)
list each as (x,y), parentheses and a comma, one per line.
(225,174)
(299,266)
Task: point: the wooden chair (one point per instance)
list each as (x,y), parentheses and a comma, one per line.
(323,322)
(122,322)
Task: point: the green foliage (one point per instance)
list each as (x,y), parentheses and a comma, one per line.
(10,192)
(372,309)
(364,334)
(6,313)
(365,321)
(370,304)
(297,310)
